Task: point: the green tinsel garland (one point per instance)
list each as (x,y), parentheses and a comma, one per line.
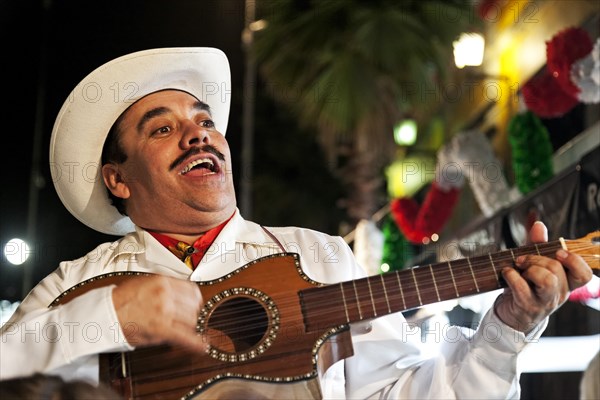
(531,151)
(396,249)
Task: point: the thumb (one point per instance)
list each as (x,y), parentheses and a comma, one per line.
(538,233)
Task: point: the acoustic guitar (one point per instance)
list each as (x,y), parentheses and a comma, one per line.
(272,331)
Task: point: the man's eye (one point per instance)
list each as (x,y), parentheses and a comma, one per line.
(207,123)
(164,129)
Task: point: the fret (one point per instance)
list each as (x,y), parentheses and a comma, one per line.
(344,301)
(486,274)
(387,300)
(453,281)
(495,271)
(463,277)
(437,292)
(372,299)
(381,305)
(416,286)
(360,316)
(427,285)
(321,306)
(123,365)
(401,291)
(473,274)
(353,308)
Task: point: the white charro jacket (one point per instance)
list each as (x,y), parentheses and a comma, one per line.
(387,363)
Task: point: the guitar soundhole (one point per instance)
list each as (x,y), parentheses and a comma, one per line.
(241,324)
(237,324)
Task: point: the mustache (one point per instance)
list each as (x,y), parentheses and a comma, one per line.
(197,150)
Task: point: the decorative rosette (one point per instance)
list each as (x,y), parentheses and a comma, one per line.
(546,98)
(566,47)
(568,78)
(531,151)
(585,74)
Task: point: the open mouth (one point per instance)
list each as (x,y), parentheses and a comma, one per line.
(206,164)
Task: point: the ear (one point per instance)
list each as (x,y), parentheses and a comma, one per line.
(113,179)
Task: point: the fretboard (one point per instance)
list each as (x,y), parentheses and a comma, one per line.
(378,295)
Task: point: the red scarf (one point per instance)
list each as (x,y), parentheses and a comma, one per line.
(201,244)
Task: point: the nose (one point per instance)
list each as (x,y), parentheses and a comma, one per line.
(193,135)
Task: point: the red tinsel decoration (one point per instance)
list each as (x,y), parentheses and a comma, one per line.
(420,222)
(566,47)
(553,93)
(404,211)
(544,97)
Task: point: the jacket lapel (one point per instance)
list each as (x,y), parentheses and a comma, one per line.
(239,243)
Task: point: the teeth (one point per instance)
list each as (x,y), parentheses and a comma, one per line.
(196,162)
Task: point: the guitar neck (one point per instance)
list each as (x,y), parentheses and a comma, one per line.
(379,295)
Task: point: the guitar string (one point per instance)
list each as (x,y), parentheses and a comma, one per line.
(164,376)
(442,284)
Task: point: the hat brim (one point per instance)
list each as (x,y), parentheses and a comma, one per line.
(94,105)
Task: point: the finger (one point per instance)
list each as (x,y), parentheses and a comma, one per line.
(188,296)
(536,292)
(179,328)
(546,284)
(538,233)
(523,263)
(578,271)
(190,339)
(520,289)
(546,275)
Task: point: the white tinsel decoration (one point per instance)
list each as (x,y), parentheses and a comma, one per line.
(448,172)
(473,155)
(368,246)
(585,74)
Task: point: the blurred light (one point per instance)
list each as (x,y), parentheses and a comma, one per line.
(385,267)
(259,25)
(468,50)
(16,251)
(405,132)
(408,175)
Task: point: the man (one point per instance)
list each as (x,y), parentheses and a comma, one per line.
(161,145)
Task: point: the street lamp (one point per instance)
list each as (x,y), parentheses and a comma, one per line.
(468,50)
(16,251)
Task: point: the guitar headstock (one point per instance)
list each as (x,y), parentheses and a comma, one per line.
(588,247)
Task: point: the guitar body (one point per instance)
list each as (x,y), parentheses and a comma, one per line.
(272,331)
(258,344)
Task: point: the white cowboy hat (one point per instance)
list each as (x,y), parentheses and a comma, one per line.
(97,101)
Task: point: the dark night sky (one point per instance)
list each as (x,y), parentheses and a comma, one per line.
(54,49)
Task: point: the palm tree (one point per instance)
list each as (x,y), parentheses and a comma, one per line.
(351,69)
